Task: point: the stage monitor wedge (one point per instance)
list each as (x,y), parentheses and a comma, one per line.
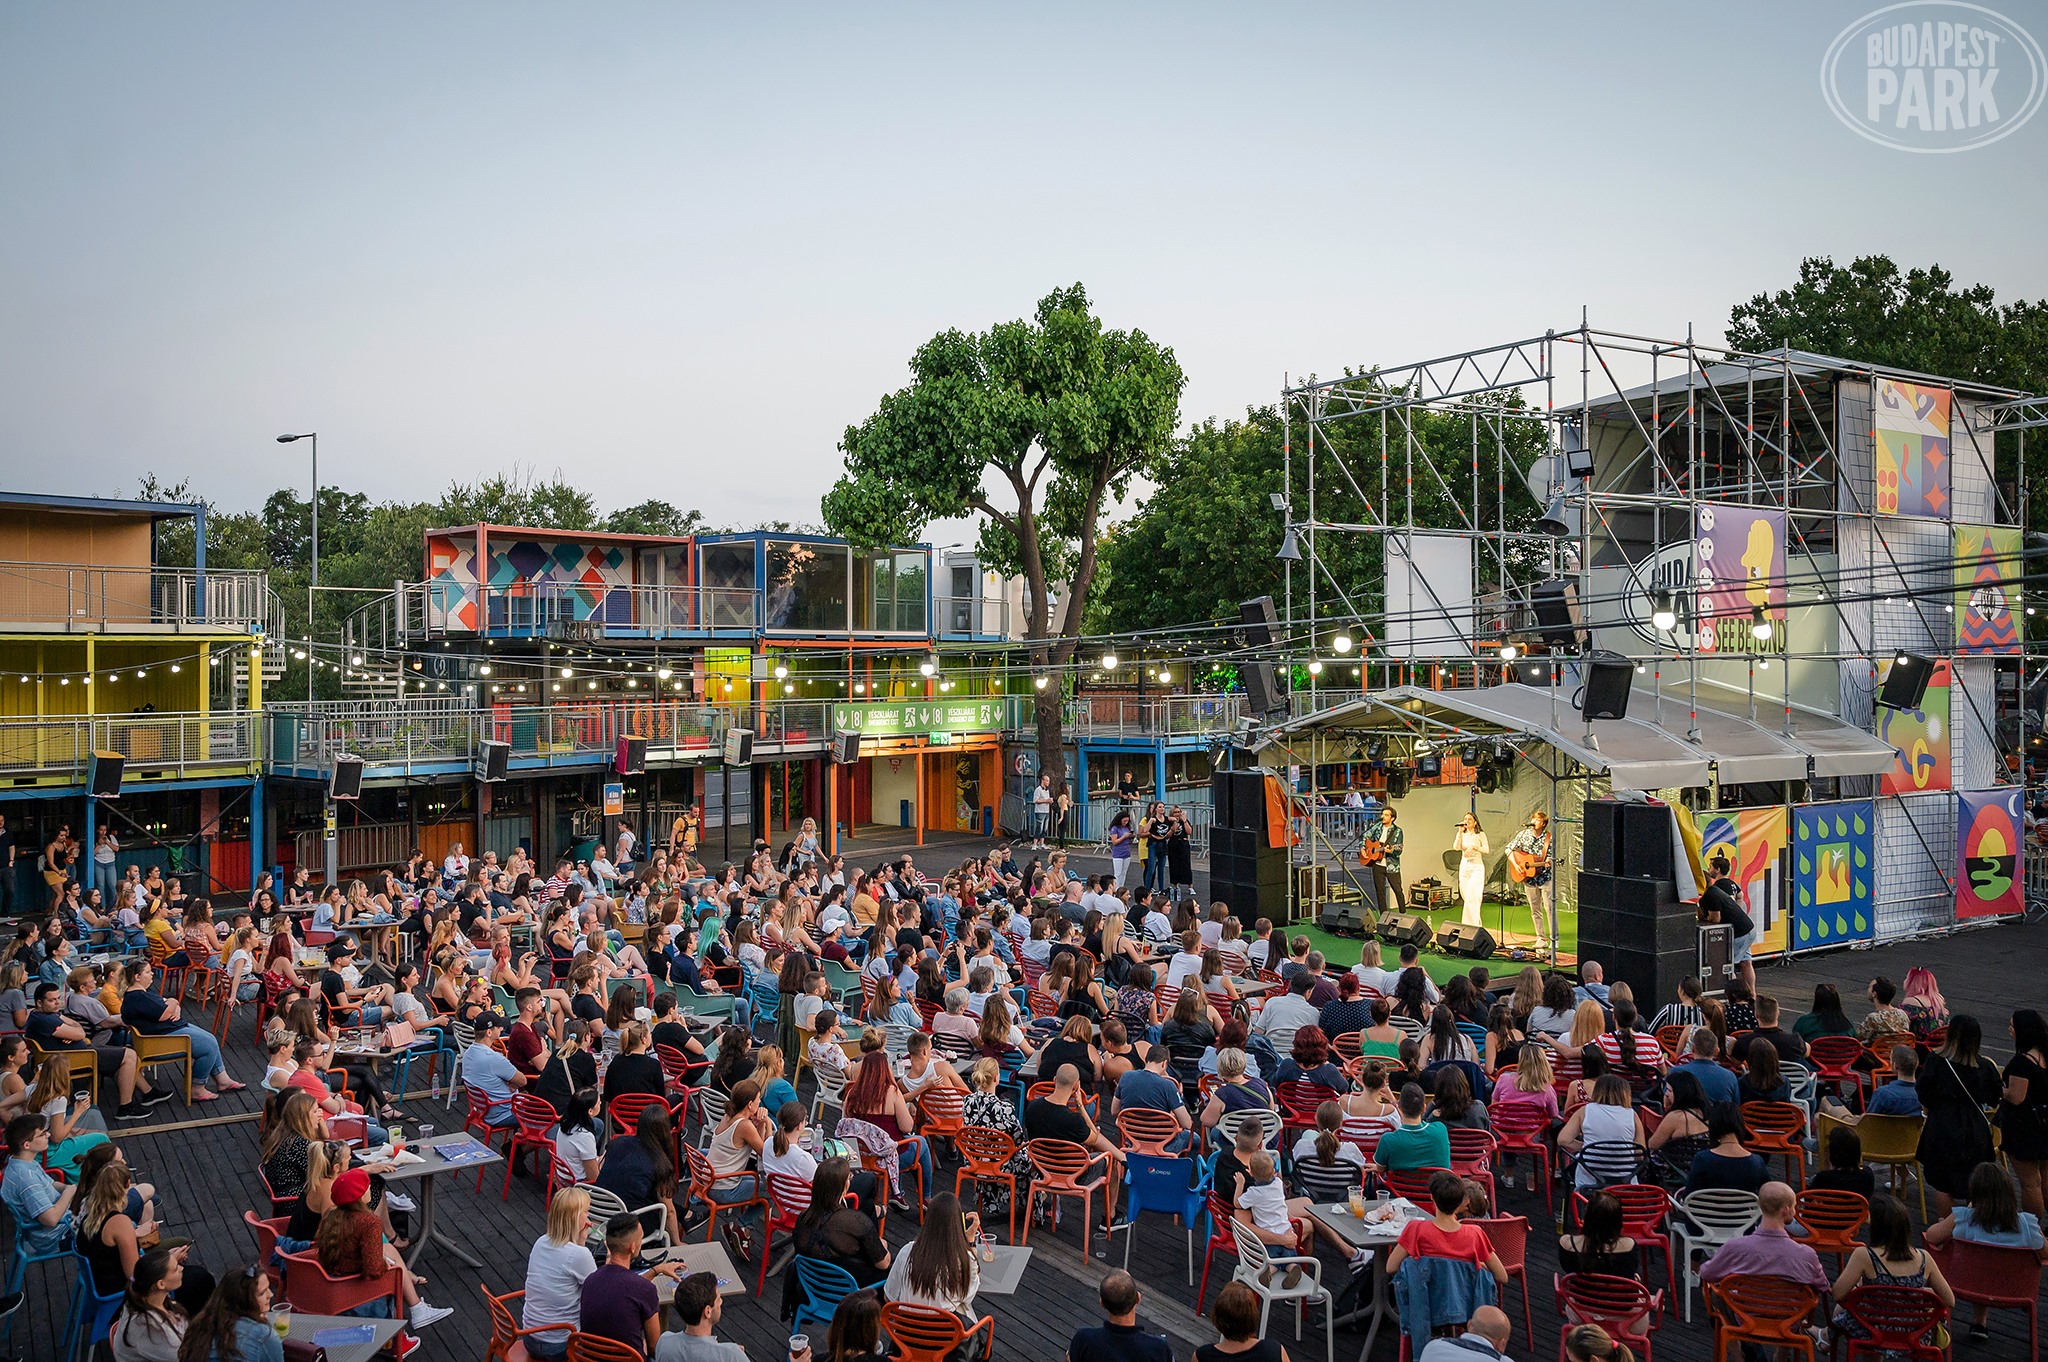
(104,780)
(347,781)
(1405,929)
(1472,942)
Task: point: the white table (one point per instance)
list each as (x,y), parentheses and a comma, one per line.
(1003,1276)
(423,1173)
(305,1326)
(1337,1216)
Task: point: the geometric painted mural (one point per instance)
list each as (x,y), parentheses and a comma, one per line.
(451,582)
(1988,567)
(1988,852)
(581,578)
(1910,428)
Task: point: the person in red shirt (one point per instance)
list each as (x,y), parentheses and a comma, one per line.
(526,1044)
(1443,1235)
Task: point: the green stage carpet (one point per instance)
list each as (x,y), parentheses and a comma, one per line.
(1343,950)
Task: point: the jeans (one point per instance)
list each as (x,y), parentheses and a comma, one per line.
(920,1154)
(206,1060)
(739,1189)
(540,1345)
(107,879)
(1155,869)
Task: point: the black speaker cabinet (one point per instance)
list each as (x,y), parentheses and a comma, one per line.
(739,747)
(1405,929)
(347,780)
(1653,975)
(1260,620)
(1346,918)
(1602,849)
(631,757)
(1247,800)
(846,748)
(1262,694)
(1608,677)
(1458,938)
(104,779)
(492,759)
(1645,842)
(1250,902)
(1556,603)
(1905,685)
(1649,917)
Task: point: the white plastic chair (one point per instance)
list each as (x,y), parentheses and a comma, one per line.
(605,1204)
(1408,1027)
(1255,1259)
(1267,1120)
(831,1093)
(1706,1220)
(713,1104)
(465,1036)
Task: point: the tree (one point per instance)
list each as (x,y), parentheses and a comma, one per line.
(1032,426)
(654,517)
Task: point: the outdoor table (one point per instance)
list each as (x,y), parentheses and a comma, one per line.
(710,1257)
(1336,1215)
(305,1326)
(1003,1276)
(1255,990)
(423,1173)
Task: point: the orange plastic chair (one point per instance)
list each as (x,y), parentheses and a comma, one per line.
(1831,1220)
(1148,1132)
(1645,1212)
(1622,1306)
(625,1109)
(678,1068)
(1060,1169)
(1898,1319)
(506,1334)
(920,1334)
(1769,1312)
(702,1180)
(1778,1128)
(597,1348)
(1509,1235)
(1345,1046)
(1518,1128)
(1086,1103)
(984,1156)
(942,1113)
(1990,1274)
(1668,1038)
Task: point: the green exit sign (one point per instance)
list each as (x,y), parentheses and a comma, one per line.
(939,739)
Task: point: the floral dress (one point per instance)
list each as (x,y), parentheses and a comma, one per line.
(994,1112)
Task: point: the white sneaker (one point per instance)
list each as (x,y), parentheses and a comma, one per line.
(424,1314)
(401,1202)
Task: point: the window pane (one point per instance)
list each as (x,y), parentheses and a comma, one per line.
(806,586)
(910,593)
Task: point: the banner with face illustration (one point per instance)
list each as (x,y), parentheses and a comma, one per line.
(1739,568)
(1989,852)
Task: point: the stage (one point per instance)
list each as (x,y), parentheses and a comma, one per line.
(1344,950)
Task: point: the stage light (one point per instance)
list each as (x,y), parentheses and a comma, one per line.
(1663,612)
(1759,624)
(1342,643)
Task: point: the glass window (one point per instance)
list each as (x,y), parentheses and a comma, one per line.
(806,587)
(910,592)
(729,584)
(874,596)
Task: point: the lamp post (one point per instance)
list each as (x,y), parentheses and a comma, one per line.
(312,580)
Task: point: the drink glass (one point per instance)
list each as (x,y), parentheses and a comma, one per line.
(799,1346)
(1358,1202)
(281,1320)
(397,1140)
(426,1133)
(988,1247)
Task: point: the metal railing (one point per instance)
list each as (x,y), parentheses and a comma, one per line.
(792,722)
(168,743)
(95,598)
(971,616)
(1109,715)
(405,734)
(359,848)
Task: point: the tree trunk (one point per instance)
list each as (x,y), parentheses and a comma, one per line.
(1045,712)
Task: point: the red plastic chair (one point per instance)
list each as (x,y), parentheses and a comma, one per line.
(1769,1312)
(1565,1070)
(1298,1099)
(679,1069)
(1518,1128)
(1989,1274)
(1412,1183)
(702,1180)
(1899,1319)
(1834,1063)
(532,1120)
(1778,1128)
(478,1110)
(1509,1235)
(789,1196)
(625,1110)
(1622,1306)
(1472,1157)
(1060,1168)
(1645,1213)
(984,1157)
(926,1011)
(505,1345)
(309,1289)
(1220,1237)
(597,1348)
(1831,1220)
(924,1335)
(266,1232)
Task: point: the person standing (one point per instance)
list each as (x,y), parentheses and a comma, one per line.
(7,869)
(1041,811)
(1472,848)
(1158,828)
(1121,835)
(1386,871)
(104,877)
(1534,841)
(1126,791)
(1721,901)
(1180,854)
(1063,814)
(622,856)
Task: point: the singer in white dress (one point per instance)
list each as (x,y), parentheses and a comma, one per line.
(1470,843)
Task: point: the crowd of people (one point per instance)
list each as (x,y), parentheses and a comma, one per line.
(1007,1018)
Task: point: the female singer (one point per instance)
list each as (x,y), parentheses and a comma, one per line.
(1470,842)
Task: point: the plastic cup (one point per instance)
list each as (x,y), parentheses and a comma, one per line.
(426,1133)
(281,1321)
(799,1344)
(1358,1202)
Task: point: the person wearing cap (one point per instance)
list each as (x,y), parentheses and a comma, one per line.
(372,1003)
(1151,1088)
(350,1242)
(486,1068)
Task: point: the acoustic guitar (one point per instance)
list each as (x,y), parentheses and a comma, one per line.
(1372,853)
(1523,865)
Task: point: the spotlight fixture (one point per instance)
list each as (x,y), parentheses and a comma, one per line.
(1759,624)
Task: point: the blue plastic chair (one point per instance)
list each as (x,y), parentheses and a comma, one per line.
(17,1273)
(443,1056)
(1177,1187)
(763,994)
(90,1314)
(825,1285)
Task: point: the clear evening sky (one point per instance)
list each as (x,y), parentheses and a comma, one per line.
(673,250)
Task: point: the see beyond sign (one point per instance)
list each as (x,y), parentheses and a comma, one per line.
(1934,76)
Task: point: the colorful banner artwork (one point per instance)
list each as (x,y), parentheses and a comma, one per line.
(1739,566)
(1988,568)
(1919,736)
(1831,873)
(1988,852)
(1755,842)
(1909,424)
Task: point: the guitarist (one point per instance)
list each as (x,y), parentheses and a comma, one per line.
(1382,851)
(1529,862)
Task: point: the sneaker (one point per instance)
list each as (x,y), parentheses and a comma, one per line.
(154,1096)
(405,1345)
(424,1314)
(132,1111)
(399,1201)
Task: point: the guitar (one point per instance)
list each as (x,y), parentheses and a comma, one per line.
(1523,865)
(1372,853)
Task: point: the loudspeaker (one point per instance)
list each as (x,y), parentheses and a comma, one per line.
(1249,902)
(1649,917)
(1556,603)
(1645,842)
(739,747)
(1602,849)
(846,748)
(1397,782)
(104,779)
(1458,938)
(631,757)
(1608,677)
(1231,846)
(1346,917)
(492,759)
(1262,694)
(347,780)
(1261,622)
(1651,974)
(1905,685)
(1405,929)
(1242,802)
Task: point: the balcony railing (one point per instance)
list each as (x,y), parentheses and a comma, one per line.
(972,616)
(1166,716)
(169,744)
(99,599)
(406,735)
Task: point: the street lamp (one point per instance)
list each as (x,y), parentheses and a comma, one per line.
(313,579)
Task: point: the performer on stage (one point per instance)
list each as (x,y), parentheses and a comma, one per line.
(1529,862)
(1470,843)
(1382,851)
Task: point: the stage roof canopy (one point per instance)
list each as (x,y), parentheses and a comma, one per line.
(1649,750)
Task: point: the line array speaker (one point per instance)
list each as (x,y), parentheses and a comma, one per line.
(1262,694)
(1644,842)
(1602,847)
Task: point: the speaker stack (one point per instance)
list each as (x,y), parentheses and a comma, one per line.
(1246,874)
(1631,919)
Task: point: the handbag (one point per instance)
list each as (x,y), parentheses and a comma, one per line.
(398,1035)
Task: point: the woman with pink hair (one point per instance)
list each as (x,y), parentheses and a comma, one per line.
(1922,1002)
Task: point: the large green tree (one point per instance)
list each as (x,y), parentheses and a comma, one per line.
(1032,427)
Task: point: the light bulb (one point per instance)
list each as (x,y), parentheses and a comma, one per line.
(356,660)
(1315,668)
(1109,662)
(780,671)
(1165,675)
(555,686)
(926,668)
(1037,682)
(1342,643)
(1508,652)
(664,673)
(860,688)
(484,670)
(788,689)
(1664,613)
(1759,624)
(568,672)
(175,669)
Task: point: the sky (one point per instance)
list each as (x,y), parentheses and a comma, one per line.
(674,250)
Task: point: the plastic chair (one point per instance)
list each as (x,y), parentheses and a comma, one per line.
(678,1068)
(831,1093)
(1472,1157)
(941,1112)
(1899,1319)
(266,1233)
(1177,1186)
(789,1196)
(1668,1038)
(1255,1258)
(1510,1237)
(17,1272)
(924,1335)
(1141,1131)
(153,1051)
(309,1288)
(1769,1312)
(1330,1182)
(825,1285)
(1895,1142)
(1298,1099)
(90,1313)
(1412,1183)
(1991,1274)
(1622,1306)
(1518,1128)
(597,1348)
(505,1345)
(703,1180)
(476,1120)
(1706,1220)
(1221,1236)
(80,1065)
(1834,1063)
(984,1156)
(1060,1169)
(1778,1128)
(606,1204)
(1645,1209)
(624,1110)
(1831,1220)
(532,1120)
(1228,1123)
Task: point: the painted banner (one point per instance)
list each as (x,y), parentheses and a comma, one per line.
(1909,425)
(1755,842)
(1738,566)
(1831,873)
(1988,569)
(1988,852)
(1919,736)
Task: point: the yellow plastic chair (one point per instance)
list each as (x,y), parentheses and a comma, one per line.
(1890,1140)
